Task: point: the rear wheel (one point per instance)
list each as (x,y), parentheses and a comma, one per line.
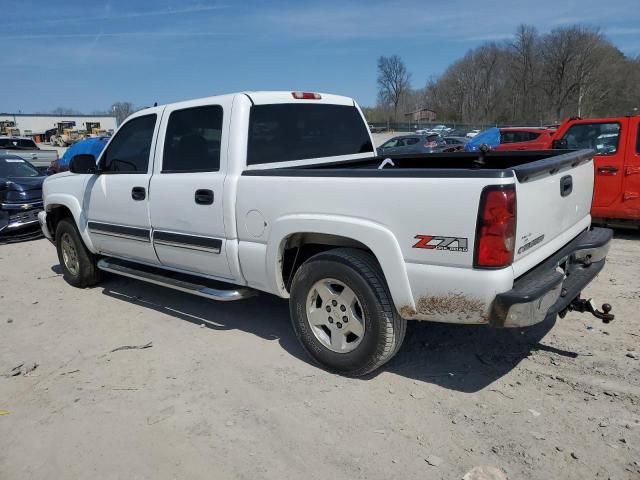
(78,263)
(343,314)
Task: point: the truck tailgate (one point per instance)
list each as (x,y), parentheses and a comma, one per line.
(553,204)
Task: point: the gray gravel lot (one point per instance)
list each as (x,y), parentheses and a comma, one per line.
(226,392)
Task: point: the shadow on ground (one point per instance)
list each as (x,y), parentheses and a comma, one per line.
(458,357)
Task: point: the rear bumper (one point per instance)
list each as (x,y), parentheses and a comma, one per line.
(550,287)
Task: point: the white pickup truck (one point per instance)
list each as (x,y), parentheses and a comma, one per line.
(282,192)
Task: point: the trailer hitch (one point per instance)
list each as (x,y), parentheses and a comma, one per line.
(581,305)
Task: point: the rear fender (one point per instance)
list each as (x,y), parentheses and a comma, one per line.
(376,237)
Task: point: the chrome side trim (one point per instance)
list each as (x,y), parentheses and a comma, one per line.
(129,270)
(120,231)
(189,242)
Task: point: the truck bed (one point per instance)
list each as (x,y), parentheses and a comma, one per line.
(525,165)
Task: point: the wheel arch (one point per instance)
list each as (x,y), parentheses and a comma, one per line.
(324,233)
(66,206)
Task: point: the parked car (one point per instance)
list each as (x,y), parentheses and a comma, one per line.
(20,195)
(91,145)
(473,133)
(26,148)
(413,144)
(524,138)
(287,196)
(456,143)
(616,143)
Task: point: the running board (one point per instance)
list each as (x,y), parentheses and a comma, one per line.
(176,281)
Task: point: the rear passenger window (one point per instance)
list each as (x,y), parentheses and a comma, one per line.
(192,141)
(601,137)
(285,132)
(412,141)
(129,150)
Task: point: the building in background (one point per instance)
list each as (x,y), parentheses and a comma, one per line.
(41,126)
(421,115)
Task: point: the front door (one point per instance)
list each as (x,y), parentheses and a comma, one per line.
(186,198)
(118,198)
(605,139)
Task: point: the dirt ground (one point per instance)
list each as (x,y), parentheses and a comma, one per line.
(226,392)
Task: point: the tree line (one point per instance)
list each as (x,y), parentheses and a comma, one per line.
(533,79)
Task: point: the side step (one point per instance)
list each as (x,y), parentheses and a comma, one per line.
(185,283)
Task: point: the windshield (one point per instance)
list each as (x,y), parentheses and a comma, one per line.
(16,168)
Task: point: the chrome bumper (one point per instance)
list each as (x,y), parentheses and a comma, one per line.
(549,288)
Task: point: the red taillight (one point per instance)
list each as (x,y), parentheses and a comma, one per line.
(496,228)
(306,96)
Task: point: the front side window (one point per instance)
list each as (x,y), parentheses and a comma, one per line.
(286,132)
(601,137)
(129,150)
(390,144)
(192,142)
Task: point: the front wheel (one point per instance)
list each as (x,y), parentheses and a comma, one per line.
(343,314)
(78,264)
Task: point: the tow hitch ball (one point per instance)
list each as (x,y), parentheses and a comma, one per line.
(582,305)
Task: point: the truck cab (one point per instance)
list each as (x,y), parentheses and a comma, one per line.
(616,143)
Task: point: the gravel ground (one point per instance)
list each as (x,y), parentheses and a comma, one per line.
(224,390)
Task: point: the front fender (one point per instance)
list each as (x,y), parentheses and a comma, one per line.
(376,237)
(54,200)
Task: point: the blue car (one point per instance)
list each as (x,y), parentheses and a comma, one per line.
(91,145)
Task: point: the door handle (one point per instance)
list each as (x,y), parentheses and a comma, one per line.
(608,170)
(566,185)
(138,193)
(204,197)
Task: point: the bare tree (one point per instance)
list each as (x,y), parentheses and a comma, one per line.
(122,110)
(393,82)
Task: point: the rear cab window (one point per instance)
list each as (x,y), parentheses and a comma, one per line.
(601,137)
(290,132)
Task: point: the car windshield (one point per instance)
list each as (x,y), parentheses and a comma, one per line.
(16,168)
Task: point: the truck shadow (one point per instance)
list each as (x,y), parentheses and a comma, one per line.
(464,358)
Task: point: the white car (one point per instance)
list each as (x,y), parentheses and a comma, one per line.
(473,133)
(282,193)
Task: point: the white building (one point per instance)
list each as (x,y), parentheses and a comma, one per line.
(37,124)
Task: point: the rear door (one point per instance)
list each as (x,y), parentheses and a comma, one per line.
(187,188)
(606,138)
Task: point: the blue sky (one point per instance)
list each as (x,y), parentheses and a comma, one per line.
(88,54)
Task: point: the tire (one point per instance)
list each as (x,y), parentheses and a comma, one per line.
(376,331)
(77,262)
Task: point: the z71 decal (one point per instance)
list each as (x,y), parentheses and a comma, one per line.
(434,242)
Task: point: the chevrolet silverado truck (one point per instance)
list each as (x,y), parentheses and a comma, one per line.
(282,192)
(26,148)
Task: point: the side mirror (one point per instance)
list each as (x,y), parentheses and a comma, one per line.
(561,144)
(83,163)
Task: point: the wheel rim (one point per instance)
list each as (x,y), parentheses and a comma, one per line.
(69,254)
(335,315)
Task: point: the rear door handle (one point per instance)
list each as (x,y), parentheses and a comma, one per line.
(608,170)
(138,193)
(204,197)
